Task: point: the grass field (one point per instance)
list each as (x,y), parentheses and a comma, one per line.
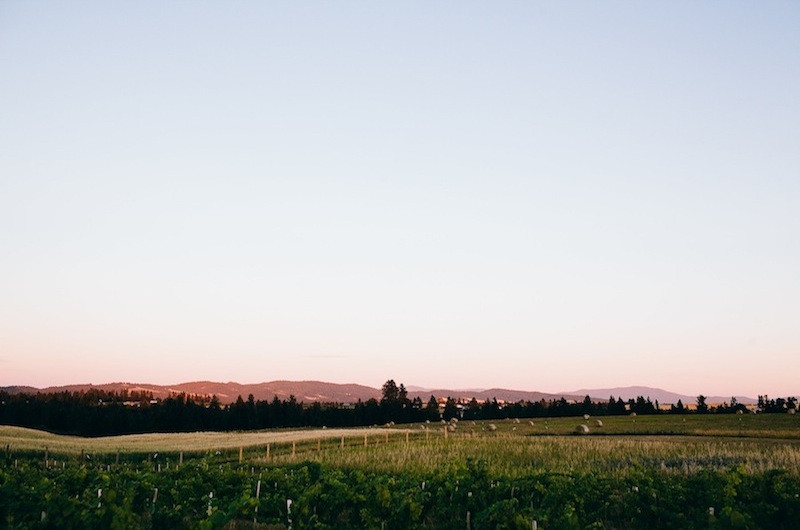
(656,471)
(512,448)
(772,427)
(22,439)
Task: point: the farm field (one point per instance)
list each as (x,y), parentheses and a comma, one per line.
(33,440)
(659,471)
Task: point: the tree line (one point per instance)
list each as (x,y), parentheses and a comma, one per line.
(98,413)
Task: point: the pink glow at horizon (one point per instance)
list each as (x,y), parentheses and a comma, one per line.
(525,196)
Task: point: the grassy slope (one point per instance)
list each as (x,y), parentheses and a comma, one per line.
(757,441)
(23,439)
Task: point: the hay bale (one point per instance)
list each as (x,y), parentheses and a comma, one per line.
(582,429)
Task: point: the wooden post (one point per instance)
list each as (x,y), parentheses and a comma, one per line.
(406,437)
(241,454)
(180,459)
(387,437)
(46,463)
(445,432)
(319,444)
(341,446)
(294,448)
(365,439)
(267,451)
(469,526)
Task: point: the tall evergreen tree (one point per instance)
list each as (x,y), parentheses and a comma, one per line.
(432,409)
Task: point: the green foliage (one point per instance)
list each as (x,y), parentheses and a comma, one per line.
(507,477)
(326,497)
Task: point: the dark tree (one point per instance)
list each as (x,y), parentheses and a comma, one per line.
(702,407)
(432,410)
(450,409)
(390,393)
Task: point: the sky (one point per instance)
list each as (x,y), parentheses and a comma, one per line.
(532,195)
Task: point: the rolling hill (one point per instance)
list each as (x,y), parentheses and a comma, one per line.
(663,396)
(320,391)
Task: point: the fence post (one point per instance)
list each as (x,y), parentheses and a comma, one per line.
(258,494)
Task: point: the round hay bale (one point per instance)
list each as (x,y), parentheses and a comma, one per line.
(598,423)
(492,427)
(585,416)
(582,429)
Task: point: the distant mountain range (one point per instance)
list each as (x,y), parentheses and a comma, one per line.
(319,391)
(663,396)
(307,391)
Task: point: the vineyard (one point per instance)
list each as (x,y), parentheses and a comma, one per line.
(626,472)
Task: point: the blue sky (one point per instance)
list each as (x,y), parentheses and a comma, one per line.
(545,196)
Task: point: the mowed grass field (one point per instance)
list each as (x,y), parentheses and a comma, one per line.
(671,443)
(27,440)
